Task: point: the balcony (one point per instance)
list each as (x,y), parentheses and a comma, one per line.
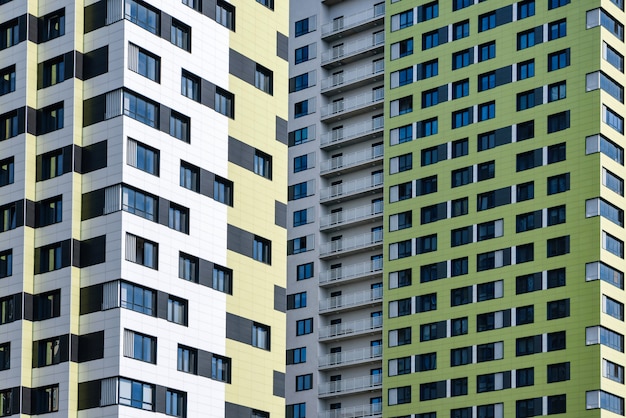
(352,134)
(357,243)
(351,329)
(352,162)
(353,51)
(352,217)
(350,386)
(352,357)
(352,106)
(354,78)
(351,272)
(361,411)
(351,301)
(352,189)
(345,26)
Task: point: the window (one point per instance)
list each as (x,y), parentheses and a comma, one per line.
(302,54)
(557,91)
(187,360)
(223,191)
(558,184)
(460,30)
(557,29)
(5,364)
(401,106)
(613,119)
(143,62)
(612,182)
(459,386)
(556,153)
(139,346)
(8,309)
(432,331)
(613,57)
(400,278)
(222,279)
(188,267)
(526,39)
(528,283)
(430,39)
(48,212)
(141,251)
(526,69)
(486,51)
(304,271)
(400,221)
(486,170)
(405,76)
(487,81)
(141,109)
(426,244)
(262,164)
(556,341)
(401,395)
(296,301)
(430,98)
(263,79)
(486,111)
(553,4)
(525,315)
(461,296)
(428,11)
(8,217)
(261,336)
(597,17)
(401,135)
(175,404)
(224,103)
(304,382)
(399,337)
(138,203)
(460,89)
(50,258)
(612,244)
(461,118)
(180,35)
(143,157)
(459,207)
(460,356)
(296,355)
(558,372)
(7,80)
(402,20)
(302,27)
(142,15)
(45,399)
(605,400)
(304,326)
(558,60)
(525,100)
(525,191)
(189,176)
(430,69)
(301,109)
(462,176)
(178,218)
(462,59)
(267,3)
(525,9)
(527,221)
(459,326)
(262,250)
(136,394)
(224,14)
(558,309)
(401,163)
(558,246)
(190,86)
(9,34)
(300,82)
(137,298)
(399,49)
(486,21)
(177,310)
(296,411)
(528,345)
(460,148)
(47,352)
(610,370)
(53,72)
(51,118)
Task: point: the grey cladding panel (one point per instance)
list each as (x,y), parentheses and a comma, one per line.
(164,209)
(89,394)
(90,299)
(241,66)
(92,204)
(207,93)
(504,15)
(95,16)
(208,8)
(90,346)
(160,395)
(239,241)
(503,196)
(240,153)
(162,298)
(205,273)
(280,299)
(539,35)
(443,35)
(504,75)
(282,46)
(94,110)
(33,28)
(204,363)
(166,26)
(279,384)
(234,410)
(238,328)
(503,136)
(281,130)
(442,93)
(280,214)
(164,118)
(206,183)
(94,63)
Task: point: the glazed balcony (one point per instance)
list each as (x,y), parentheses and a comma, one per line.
(357,243)
(352,217)
(351,301)
(352,134)
(361,411)
(350,386)
(358,160)
(360,271)
(354,78)
(352,189)
(354,50)
(351,329)
(352,357)
(352,106)
(349,25)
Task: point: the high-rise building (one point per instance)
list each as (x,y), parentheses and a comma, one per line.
(335,222)
(504,221)
(142,245)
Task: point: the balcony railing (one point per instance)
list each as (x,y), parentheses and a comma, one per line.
(352,159)
(348,328)
(351,271)
(351,215)
(352,243)
(354,20)
(350,385)
(353,103)
(355,186)
(351,299)
(352,131)
(352,356)
(352,48)
(361,411)
(352,76)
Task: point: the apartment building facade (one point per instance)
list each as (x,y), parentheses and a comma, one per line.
(143,214)
(334,262)
(504,167)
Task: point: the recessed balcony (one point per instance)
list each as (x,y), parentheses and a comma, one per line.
(351,301)
(351,329)
(354,161)
(350,358)
(358,243)
(345,26)
(352,189)
(350,386)
(344,274)
(352,134)
(352,51)
(361,411)
(352,106)
(354,78)
(352,217)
